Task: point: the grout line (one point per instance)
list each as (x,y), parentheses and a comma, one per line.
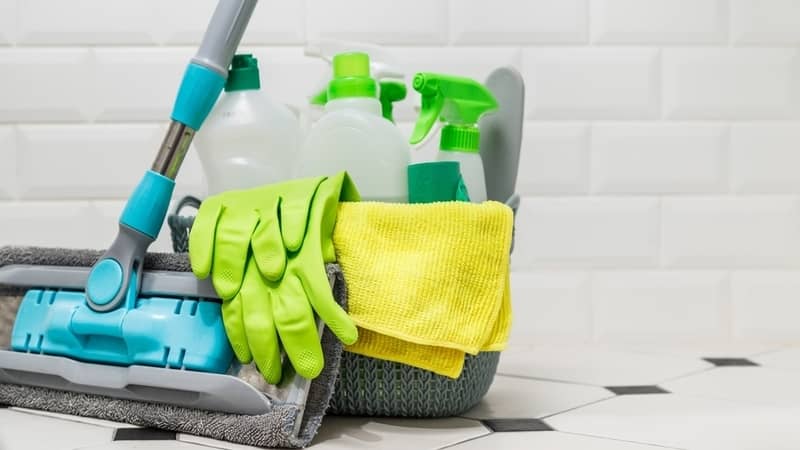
(468,440)
(621,440)
(578,407)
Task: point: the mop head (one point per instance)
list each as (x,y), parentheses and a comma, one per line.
(268,430)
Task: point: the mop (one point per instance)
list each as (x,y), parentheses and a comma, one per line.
(134,337)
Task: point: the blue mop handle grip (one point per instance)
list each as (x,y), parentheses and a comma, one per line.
(205,77)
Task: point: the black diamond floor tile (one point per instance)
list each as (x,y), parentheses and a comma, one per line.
(510,425)
(731,362)
(637,390)
(144,434)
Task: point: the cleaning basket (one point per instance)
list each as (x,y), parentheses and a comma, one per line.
(372,387)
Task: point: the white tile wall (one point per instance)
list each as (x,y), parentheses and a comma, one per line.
(658,158)
(765,21)
(591,83)
(8,162)
(658,21)
(763,157)
(748,231)
(587,232)
(766,304)
(675,305)
(518,21)
(660,170)
(731,83)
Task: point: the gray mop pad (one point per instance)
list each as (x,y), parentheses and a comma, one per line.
(268,430)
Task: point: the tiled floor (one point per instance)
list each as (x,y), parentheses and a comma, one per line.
(701,396)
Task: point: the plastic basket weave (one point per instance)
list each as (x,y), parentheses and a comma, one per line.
(373,387)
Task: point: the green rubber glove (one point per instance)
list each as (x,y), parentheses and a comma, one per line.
(229,224)
(288,306)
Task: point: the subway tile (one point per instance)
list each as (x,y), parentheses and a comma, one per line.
(747,232)
(379,21)
(83,161)
(550,305)
(8,162)
(554,159)
(40,85)
(55,224)
(631,306)
(518,21)
(272,22)
(658,158)
(8,21)
(765,21)
(92,22)
(731,83)
(766,305)
(658,21)
(137,84)
(763,157)
(591,83)
(586,232)
(471,62)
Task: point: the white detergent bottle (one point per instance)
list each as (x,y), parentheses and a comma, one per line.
(457,102)
(248,139)
(352,135)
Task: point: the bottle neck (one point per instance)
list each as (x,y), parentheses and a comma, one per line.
(364,104)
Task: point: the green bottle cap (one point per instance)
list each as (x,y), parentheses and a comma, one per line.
(460,138)
(243,74)
(351,77)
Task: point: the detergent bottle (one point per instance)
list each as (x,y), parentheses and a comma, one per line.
(459,103)
(248,139)
(353,135)
(383,67)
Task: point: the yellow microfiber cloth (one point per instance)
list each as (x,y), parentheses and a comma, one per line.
(427,283)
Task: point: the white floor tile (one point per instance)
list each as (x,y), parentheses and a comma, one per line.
(401,434)
(782,359)
(686,422)
(79,419)
(548,440)
(598,365)
(22,431)
(213,443)
(748,384)
(720,349)
(144,445)
(520,398)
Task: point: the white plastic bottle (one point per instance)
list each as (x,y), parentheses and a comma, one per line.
(352,135)
(471,171)
(248,139)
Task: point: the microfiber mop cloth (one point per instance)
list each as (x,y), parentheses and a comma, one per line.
(268,430)
(427,282)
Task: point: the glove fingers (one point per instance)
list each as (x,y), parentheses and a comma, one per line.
(267,243)
(234,328)
(295,322)
(259,325)
(295,210)
(201,238)
(320,295)
(234,229)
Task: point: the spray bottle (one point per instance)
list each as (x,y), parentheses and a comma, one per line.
(383,67)
(459,102)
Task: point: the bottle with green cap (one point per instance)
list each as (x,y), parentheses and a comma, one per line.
(353,135)
(248,139)
(459,103)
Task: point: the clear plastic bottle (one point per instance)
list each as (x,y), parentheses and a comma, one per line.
(353,135)
(248,139)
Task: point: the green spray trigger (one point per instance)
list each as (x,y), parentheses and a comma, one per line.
(391,91)
(459,102)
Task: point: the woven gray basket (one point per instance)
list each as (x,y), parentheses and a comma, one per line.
(373,387)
